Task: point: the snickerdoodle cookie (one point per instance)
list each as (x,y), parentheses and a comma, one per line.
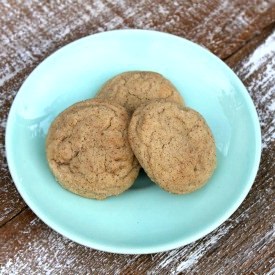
(174,145)
(88,151)
(130,89)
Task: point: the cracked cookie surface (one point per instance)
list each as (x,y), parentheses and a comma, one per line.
(88,150)
(174,145)
(130,89)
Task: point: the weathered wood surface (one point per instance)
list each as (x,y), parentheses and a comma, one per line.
(240,32)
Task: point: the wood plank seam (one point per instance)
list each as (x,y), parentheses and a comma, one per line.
(13,217)
(268,28)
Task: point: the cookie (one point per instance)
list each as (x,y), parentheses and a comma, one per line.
(174,145)
(88,150)
(130,89)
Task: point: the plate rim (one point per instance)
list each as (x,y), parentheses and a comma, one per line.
(160,247)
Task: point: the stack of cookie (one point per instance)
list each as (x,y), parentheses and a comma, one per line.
(95,147)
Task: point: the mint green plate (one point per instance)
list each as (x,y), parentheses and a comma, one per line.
(144,219)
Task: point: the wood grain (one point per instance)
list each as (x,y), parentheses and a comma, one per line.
(240,32)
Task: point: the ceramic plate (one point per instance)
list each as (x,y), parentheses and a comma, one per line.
(145,219)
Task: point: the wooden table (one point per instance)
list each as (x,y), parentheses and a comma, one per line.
(241,32)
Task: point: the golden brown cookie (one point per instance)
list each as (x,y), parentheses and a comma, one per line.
(174,145)
(88,151)
(130,89)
